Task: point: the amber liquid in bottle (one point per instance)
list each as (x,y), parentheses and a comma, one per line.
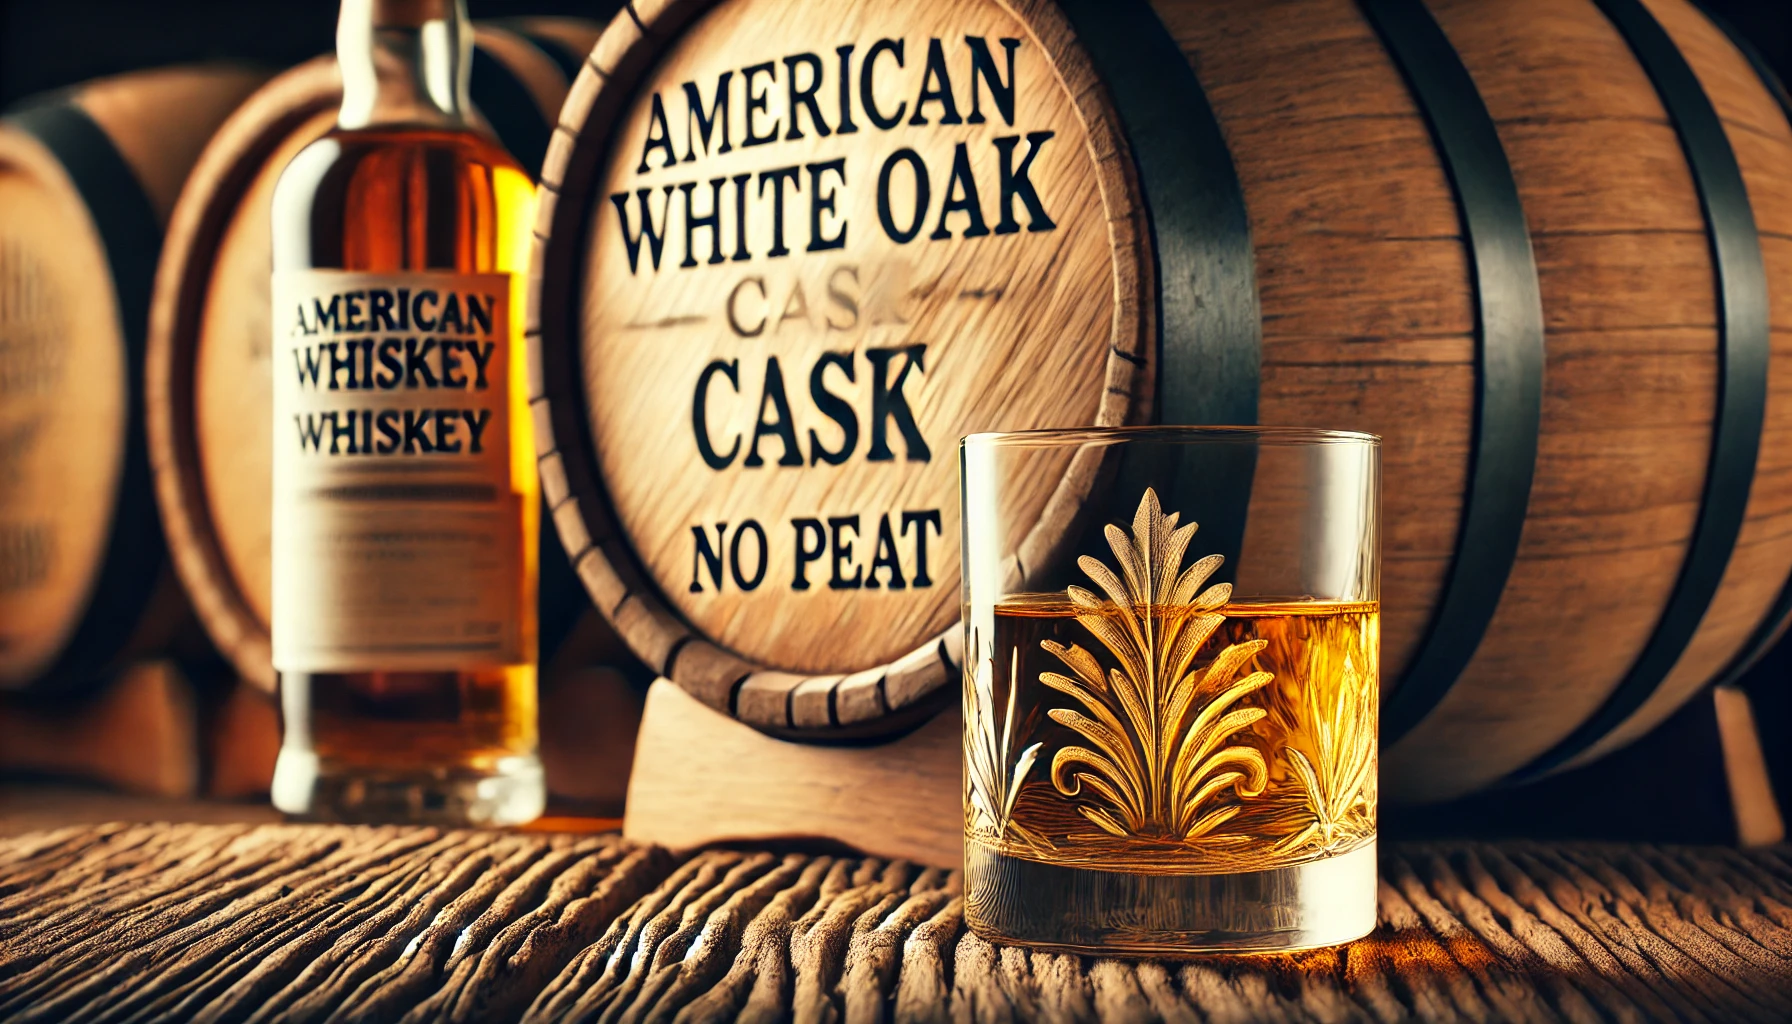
(408,193)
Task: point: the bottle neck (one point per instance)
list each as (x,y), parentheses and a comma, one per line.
(404,62)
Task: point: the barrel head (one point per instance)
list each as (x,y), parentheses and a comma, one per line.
(793,255)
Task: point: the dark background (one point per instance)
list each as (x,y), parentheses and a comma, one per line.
(46,44)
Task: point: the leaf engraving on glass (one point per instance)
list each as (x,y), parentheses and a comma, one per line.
(1332,757)
(992,788)
(1157,764)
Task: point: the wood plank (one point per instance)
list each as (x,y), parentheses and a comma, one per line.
(1512,931)
(238,922)
(307,923)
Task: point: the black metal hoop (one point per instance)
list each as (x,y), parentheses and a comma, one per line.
(1509,357)
(1210,337)
(1773,624)
(1742,375)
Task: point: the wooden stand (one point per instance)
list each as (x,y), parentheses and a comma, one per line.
(1753,805)
(1700,777)
(140,735)
(701,777)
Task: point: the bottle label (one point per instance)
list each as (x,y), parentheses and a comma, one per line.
(397,532)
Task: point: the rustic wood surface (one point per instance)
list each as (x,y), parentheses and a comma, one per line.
(273,922)
(300,923)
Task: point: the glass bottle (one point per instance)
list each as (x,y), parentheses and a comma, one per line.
(405,493)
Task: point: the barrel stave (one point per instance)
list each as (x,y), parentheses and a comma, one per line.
(1358,238)
(1760,136)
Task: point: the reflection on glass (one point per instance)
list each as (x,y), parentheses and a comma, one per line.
(1170,730)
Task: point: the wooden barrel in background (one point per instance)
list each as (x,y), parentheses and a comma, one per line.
(87,180)
(1538,245)
(209,378)
(774,416)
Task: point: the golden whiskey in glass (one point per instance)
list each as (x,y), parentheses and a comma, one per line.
(1170,688)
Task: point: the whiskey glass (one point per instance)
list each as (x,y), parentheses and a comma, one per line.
(1170,688)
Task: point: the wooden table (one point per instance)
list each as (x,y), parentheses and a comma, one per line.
(247,922)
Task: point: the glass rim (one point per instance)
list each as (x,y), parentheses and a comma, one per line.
(1051,437)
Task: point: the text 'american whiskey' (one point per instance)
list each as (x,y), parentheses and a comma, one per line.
(405,493)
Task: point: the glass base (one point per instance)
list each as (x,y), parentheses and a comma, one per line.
(1080,910)
(511,792)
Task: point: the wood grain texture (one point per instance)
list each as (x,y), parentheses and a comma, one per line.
(1630,384)
(1369,317)
(1022,329)
(1359,257)
(1619,259)
(1368,324)
(1467,932)
(263,923)
(1762,559)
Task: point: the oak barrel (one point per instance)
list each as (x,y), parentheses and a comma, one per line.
(1542,247)
(209,383)
(87,179)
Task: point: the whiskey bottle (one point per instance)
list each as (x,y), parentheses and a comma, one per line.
(405,493)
